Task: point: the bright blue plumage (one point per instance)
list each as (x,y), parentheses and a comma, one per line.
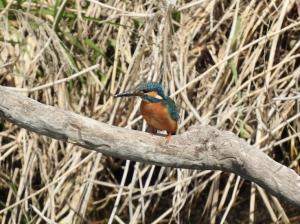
(171,108)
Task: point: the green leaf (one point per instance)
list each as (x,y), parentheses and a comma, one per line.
(59,11)
(2,4)
(176,16)
(233,71)
(91,44)
(237,32)
(242,128)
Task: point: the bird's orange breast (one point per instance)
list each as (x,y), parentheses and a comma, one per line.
(158,117)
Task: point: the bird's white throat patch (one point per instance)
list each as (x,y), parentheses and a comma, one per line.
(155,95)
(158,97)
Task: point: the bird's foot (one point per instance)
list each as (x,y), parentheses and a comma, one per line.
(168,138)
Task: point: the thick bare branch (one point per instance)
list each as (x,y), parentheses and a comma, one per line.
(201,147)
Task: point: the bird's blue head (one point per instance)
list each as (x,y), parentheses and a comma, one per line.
(149,91)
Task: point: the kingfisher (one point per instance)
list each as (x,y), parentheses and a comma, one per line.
(159,110)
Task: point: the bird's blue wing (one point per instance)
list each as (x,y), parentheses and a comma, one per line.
(172,108)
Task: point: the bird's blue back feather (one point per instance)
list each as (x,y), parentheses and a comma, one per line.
(171,108)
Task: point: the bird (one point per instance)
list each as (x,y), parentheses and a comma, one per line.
(158,110)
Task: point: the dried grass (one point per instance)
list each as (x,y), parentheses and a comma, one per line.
(231,64)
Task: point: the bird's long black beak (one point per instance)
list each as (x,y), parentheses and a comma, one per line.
(129,93)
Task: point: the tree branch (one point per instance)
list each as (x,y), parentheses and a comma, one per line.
(201,147)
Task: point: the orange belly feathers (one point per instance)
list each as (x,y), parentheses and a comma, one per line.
(157,117)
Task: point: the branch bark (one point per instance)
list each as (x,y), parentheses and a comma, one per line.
(201,147)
